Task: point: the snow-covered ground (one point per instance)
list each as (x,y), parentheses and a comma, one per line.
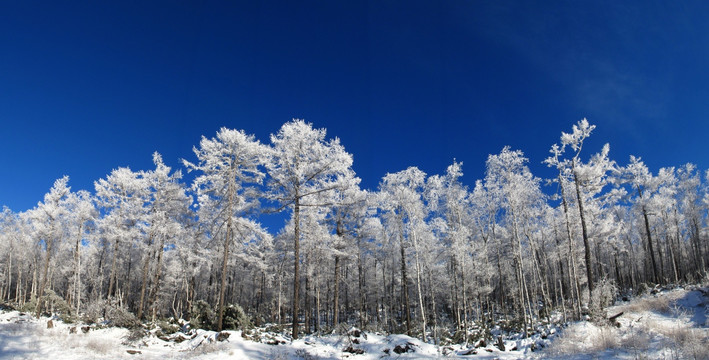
(668,325)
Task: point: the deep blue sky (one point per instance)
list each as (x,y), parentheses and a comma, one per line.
(90,86)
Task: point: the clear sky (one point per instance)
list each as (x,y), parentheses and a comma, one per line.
(89,86)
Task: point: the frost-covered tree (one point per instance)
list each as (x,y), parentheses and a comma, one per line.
(303,168)
(228,191)
(643,185)
(168,211)
(521,201)
(121,197)
(588,179)
(49,228)
(82,214)
(401,200)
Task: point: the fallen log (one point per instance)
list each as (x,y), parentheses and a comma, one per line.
(613,319)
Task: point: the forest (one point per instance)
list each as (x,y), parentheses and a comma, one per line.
(422,255)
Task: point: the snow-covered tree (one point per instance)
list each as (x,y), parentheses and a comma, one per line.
(401,200)
(49,228)
(303,169)
(588,179)
(121,197)
(227,191)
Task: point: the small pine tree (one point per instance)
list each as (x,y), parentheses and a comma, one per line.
(202,315)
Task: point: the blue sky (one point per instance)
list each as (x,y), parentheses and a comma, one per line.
(86,87)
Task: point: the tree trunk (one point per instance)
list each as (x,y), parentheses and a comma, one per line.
(404,285)
(225,261)
(586,245)
(9,274)
(156,280)
(418,286)
(144,283)
(296,254)
(336,295)
(112,277)
(572,262)
(44,278)
(77,272)
(360,273)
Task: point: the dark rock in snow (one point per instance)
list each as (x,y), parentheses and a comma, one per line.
(223,336)
(469,352)
(353,350)
(400,349)
(133,352)
(481,343)
(85,329)
(72,330)
(500,344)
(179,338)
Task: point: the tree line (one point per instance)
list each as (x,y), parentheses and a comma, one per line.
(422,254)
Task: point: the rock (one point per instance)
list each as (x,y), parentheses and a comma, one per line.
(179,338)
(400,349)
(223,336)
(72,330)
(500,344)
(469,352)
(481,343)
(133,352)
(353,350)
(85,329)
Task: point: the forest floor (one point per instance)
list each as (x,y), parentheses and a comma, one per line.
(671,324)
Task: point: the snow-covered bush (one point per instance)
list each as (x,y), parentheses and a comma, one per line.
(584,338)
(53,304)
(99,345)
(604,295)
(111,312)
(235,318)
(202,316)
(168,326)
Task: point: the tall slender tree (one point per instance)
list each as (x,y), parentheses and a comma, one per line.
(227,191)
(303,168)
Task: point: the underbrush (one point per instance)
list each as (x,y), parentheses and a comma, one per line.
(584,338)
(655,325)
